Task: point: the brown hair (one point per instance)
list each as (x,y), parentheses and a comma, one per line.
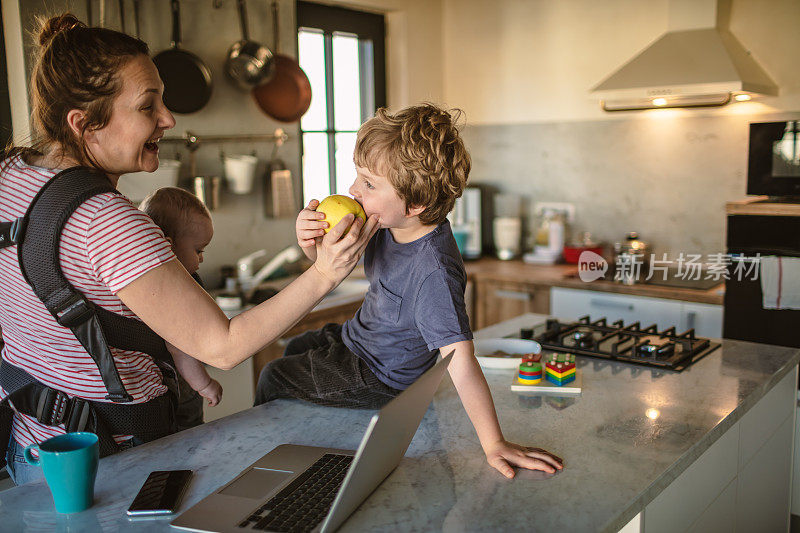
(171,209)
(75,67)
(420,151)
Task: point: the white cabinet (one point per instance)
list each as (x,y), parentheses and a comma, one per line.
(742,482)
(705,319)
(570,304)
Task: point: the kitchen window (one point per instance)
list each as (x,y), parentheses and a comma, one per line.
(342,53)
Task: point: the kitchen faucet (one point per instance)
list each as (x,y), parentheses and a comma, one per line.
(244,267)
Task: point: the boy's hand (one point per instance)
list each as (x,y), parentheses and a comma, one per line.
(310,225)
(212,392)
(503,454)
(337,254)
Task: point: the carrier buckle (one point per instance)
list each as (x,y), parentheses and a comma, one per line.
(11,233)
(56,407)
(74,312)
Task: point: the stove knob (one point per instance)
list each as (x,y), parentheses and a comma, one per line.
(526,333)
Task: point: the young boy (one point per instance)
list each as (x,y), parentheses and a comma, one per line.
(187,225)
(411,167)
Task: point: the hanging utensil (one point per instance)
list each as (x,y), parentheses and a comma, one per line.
(89,13)
(287,95)
(187,80)
(136,18)
(249,63)
(122,15)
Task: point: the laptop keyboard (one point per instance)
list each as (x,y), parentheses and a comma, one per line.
(302,504)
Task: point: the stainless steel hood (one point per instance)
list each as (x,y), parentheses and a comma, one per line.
(698,62)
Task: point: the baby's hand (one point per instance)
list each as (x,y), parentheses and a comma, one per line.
(503,454)
(309,225)
(212,392)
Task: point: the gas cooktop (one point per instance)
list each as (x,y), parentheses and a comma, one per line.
(628,343)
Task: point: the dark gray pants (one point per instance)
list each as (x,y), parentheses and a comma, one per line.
(317,367)
(190,406)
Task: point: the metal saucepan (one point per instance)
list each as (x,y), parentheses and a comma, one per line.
(287,95)
(187,80)
(249,63)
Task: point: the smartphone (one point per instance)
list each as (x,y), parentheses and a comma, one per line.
(161,493)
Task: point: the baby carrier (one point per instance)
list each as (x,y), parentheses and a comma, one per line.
(37,236)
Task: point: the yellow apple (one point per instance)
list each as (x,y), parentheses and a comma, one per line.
(336,206)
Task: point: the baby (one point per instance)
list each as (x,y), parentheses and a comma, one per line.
(187,225)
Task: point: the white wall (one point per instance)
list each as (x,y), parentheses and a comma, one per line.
(512,61)
(414,55)
(17,88)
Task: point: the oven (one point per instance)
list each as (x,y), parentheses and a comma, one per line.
(751,236)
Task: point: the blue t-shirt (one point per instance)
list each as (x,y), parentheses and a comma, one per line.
(414,305)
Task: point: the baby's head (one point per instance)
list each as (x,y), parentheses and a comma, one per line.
(420,152)
(185,221)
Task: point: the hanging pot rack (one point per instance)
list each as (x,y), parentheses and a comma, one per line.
(192,140)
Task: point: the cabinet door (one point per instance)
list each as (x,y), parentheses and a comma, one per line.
(501,300)
(705,319)
(570,304)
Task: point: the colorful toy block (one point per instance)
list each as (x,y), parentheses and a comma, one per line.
(530,372)
(555,374)
(560,369)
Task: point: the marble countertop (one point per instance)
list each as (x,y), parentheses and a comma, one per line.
(616,458)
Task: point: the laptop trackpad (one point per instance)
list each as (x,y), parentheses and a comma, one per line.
(256,483)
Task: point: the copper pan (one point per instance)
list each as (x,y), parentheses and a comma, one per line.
(287,95)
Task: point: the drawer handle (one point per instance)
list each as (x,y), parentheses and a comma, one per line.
(608,304)
(512,295)
(691,320)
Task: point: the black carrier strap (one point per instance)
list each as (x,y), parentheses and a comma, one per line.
(145,421)
(94,327)
(37,236)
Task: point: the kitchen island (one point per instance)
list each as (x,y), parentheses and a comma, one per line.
(638,443)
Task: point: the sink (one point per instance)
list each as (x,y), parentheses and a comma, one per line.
(341,294)
(346,289)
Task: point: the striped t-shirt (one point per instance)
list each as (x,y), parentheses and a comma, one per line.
(106,244)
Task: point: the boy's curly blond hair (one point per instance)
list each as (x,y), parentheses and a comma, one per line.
(420,151)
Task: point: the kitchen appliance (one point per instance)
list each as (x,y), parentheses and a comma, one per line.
(507,236)
(187,80)
(286,96)
(749,238)
(773,161)
(249,63)
(631,259)
(573,250)
(466,216)
(629,343)
(549,239)
(697,62)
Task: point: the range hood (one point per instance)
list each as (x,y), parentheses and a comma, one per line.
(697,62)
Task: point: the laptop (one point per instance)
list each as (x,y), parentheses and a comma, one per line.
(313,489)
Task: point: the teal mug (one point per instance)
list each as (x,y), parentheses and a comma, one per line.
(69,463)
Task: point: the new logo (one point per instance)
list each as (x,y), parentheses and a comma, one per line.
(591,266)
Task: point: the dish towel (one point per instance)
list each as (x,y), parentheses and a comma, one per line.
(780,282)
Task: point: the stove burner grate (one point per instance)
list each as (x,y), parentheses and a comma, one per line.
(631,343)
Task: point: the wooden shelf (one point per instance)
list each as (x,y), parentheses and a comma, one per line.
(759,205)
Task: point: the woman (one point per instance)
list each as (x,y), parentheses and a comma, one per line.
(97,102)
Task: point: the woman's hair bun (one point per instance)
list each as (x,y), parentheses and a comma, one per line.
(48,28)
